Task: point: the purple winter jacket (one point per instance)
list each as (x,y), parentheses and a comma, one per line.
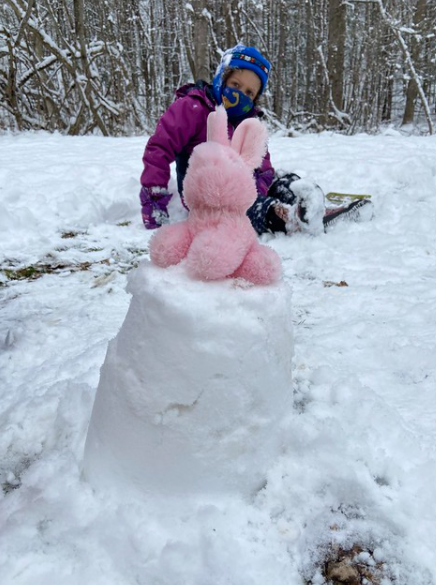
(181,128)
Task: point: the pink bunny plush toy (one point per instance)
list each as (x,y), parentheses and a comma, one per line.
(217,239)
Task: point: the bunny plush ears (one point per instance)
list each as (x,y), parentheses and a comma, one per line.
(249,139)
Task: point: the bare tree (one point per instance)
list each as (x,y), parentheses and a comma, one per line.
(336,50)
(201,68)
(415,54)
(408,58)
(81,66)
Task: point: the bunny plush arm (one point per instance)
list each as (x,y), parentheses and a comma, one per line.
(170,244)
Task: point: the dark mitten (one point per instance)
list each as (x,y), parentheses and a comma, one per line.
(281,188)
(154,206)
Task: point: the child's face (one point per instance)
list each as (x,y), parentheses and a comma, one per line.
(246,81)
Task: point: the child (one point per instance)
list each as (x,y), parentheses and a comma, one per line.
(284,204)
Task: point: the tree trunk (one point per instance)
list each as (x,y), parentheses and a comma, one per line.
(309,57)
(336,50)
(233,24)
(201,41)
(412,86)
(280,62)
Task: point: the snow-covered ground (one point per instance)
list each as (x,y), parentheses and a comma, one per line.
(359,463)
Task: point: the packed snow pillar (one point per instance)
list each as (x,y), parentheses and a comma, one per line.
(194,387)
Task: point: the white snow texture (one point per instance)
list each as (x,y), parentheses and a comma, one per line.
(181,407)
(312,197)
(356,459)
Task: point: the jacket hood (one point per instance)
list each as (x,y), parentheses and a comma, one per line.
(204,91)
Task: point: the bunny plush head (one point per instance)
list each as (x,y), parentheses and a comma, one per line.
(220,172)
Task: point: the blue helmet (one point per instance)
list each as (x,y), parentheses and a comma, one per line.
(241,57)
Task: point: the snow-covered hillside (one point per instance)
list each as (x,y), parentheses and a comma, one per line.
(359,463)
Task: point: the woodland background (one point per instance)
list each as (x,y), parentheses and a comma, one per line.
(111,66)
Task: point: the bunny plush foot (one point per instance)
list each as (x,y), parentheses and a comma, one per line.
(260,266)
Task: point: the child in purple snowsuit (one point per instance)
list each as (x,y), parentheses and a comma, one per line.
(239,82)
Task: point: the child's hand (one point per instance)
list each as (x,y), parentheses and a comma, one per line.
(282,211)
(288,214)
